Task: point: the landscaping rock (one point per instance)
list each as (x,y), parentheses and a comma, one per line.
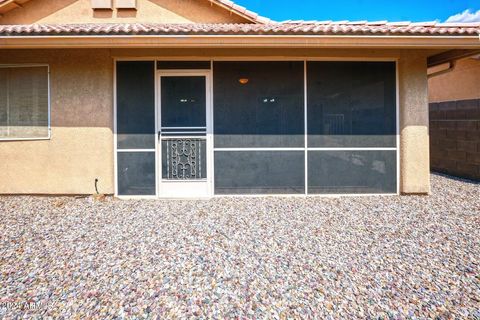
(378,257)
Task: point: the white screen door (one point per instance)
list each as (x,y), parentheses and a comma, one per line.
(185,134)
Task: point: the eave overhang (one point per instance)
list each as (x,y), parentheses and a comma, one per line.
(274,35)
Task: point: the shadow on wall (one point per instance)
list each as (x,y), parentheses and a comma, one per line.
(33,11)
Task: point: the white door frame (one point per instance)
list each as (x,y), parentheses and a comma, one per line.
(189,188)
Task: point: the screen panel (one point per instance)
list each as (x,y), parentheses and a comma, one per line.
(4,102)
(183,101)
(351,104)
(348,172)
(135,105)
(259,104)
(259,172)
(136,173)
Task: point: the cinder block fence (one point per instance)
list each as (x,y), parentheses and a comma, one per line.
(455,138)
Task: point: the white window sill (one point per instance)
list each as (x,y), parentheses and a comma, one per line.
(26,139)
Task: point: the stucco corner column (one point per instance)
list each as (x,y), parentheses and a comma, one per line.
(414,125)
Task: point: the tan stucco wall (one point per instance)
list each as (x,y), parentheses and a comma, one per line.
(148,11)
(414,126)
(462,83)
(81,145)
(81,148)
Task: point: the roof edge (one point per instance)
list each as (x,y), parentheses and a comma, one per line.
(245,29)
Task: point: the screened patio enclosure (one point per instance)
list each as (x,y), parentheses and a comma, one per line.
(204,128)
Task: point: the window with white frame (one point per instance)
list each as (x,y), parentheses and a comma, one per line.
(24,102)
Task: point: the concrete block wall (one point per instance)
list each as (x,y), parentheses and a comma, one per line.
(455,137)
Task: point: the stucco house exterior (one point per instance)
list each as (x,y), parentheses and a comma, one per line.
(454,94)
(196,98)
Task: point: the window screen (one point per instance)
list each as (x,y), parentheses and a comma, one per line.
(136,173)
(260,172)
(351,104)
(183,102)
(135,105)
(258,104)
(24,103)
(336,172)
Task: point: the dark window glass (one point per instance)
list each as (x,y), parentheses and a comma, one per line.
(176,65)
(136,173)
(258,104)
(183,102)
(184,159)
(135,105)
(259,172)
(351,104)
(335,172)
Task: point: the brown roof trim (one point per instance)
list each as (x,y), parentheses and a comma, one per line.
(275,29)
(451,56)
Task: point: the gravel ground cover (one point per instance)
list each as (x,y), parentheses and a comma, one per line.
(409,257)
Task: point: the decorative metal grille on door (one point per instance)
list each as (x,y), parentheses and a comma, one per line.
(184,159)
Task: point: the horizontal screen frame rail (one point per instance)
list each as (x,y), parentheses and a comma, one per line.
(200,136)
(136,150)
(183,132)
(256,149)
(184,180)
(184,128)
(353,149)
(303,149)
